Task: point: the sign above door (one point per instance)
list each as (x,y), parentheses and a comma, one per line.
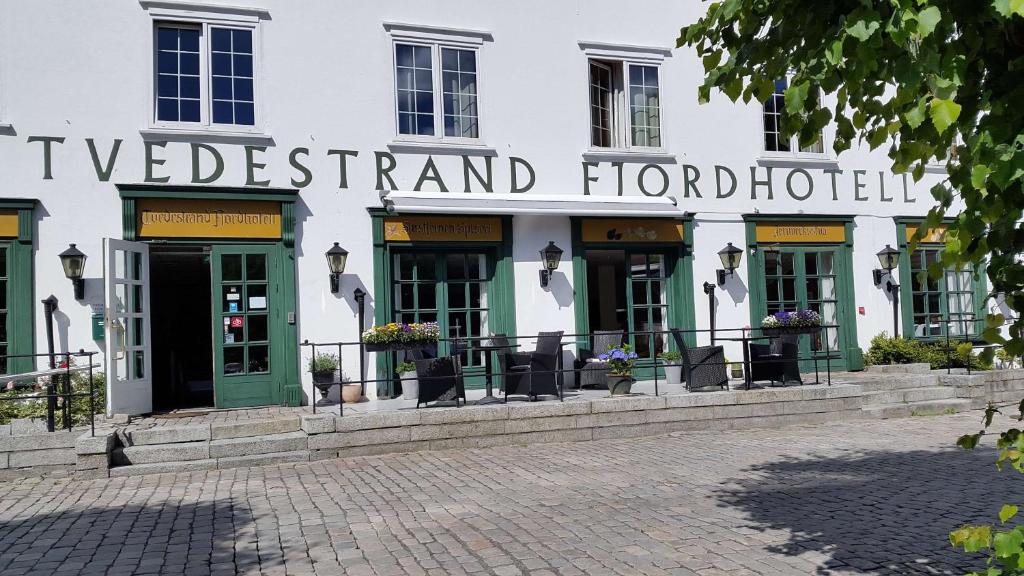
(207,218)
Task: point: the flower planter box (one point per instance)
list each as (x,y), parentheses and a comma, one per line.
(398,346)
(790,331)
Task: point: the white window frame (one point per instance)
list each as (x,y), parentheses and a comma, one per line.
(205,17)
(624,56)
(438,38)
(794,141)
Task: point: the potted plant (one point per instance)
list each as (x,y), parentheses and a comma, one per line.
(351,392)
(323,367)
(791,323)
(673,366)
(736,369)
(410,385)
(620,361)
(395,336)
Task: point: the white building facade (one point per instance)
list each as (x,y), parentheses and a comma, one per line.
(205,156)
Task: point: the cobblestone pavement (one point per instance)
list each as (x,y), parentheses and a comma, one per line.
(855,498)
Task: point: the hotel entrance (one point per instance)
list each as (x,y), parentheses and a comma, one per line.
(807,265)
(200,308)
(633,276)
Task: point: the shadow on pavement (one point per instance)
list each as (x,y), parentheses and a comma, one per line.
(876,512)
(169,537)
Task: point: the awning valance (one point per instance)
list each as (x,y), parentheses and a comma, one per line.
(545,204)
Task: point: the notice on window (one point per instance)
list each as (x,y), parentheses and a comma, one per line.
(237,321)
(257,302)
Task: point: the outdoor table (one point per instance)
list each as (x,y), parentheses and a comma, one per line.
(488,347)
(745,340)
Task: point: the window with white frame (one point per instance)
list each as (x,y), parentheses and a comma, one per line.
(205,75)
(774,141)
(625,105)
(436,91)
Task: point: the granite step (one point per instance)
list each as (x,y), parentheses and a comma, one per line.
(161,453)
(245,428)
(906,395)
(928,408)
(256,445)
(898,382)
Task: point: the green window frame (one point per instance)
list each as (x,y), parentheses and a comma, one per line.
(954,302)
(17,334)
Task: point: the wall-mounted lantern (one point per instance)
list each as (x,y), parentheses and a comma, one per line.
(336,258)
(730,257)
(889,258)
(73,261)
(551,255)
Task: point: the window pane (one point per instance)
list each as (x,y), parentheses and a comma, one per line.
(458,69)
(177,63)
(414,89)
(259,359)
(600,104)
(644,105)
(256,267)
(231,66)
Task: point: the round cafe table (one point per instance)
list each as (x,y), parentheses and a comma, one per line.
(489,347)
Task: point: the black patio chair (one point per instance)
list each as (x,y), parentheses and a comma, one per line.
(593,373)
(535,373)
(775,366)
(440,380)
(703,366)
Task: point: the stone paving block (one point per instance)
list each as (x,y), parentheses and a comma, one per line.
(317,423)
(359,438)
(92,474)
(253,427)
(53,456)
(548,409)
(39,441)
(164,467)
(101,443)
(522,425)
(250,445)
(168,435)
(627,403)
(698,399)
(160,453)
(267,459)
(458,430)
(377,420)
(458,415)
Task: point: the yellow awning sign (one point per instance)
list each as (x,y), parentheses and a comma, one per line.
(801,232)
(442,229)
(621,230)
(935,235)
(201,218)
(8,223)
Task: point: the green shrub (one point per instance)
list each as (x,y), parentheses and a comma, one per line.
(323,363)
(670,356)
(885,350)
(36,408)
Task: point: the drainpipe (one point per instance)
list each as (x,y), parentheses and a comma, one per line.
(49,306)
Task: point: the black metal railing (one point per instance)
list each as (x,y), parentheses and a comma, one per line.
(58,391)
(746,336)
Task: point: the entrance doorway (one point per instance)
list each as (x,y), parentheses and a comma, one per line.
(628,290)
(180,289)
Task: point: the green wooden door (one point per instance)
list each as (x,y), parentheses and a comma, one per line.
(249,326)
(451,288)
(806,278)
(647,302)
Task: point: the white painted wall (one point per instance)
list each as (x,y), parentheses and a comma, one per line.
(77,70)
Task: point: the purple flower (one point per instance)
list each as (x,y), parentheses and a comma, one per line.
(603,356)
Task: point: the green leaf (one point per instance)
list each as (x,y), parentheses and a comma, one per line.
(968,441)
(1006,512)
(712,60)
(796,95)
(1007,543)
(862,30)
(927,19)
(1007,8)
(944,113)
(916,115)
(979,174)
(971,538)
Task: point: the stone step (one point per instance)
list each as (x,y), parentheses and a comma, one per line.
(256,445)
(905,395)
(898,381)
(244,428)
(920,368)
(929,408)
(161,453)
(167,435)
(164,467)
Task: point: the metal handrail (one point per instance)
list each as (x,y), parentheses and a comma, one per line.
(63,374)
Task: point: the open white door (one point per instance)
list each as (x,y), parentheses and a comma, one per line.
(126,321)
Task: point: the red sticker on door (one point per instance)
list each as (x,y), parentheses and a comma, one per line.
(236,321)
